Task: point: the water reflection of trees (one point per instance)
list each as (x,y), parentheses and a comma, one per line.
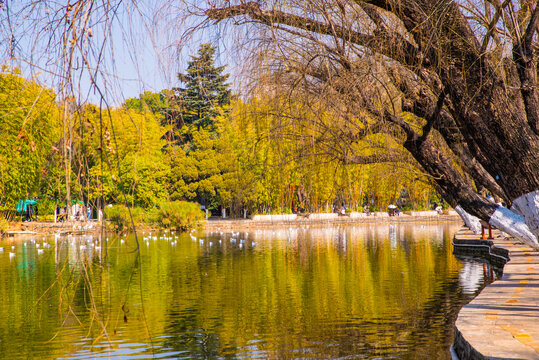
(321,292)
(323,264)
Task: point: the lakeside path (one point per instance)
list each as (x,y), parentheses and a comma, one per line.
(502,322)
(245,224)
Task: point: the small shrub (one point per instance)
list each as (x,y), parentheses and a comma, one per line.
(118,215)
(139,215)
(179,215)
(148,217)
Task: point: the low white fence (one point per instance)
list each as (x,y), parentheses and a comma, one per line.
(278,217)
(355,215)
(422,213)
(323,216)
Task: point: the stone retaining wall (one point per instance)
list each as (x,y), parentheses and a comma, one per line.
(463,350)
(500,322)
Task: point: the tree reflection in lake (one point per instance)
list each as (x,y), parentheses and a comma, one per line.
(386,291)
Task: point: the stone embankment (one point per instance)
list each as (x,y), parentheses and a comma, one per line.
(49,228)
(502,322)
(327,219)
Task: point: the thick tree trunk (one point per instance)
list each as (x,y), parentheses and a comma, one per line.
(513,224)
(422,104)
(495,127)
(472,222)
(498,123)
(449,131)
(527,206)
(461,195)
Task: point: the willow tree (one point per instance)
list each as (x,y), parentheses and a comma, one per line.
(464,70)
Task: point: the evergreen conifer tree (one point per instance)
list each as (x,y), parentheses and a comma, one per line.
(205,88)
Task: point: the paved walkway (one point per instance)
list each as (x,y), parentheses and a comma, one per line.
(502,322)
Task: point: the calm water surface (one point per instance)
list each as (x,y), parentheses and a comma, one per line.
(370,292)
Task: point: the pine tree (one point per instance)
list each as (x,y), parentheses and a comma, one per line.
(205,88)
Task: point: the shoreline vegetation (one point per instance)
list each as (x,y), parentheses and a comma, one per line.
(217,223)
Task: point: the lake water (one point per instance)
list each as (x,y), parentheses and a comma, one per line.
(384,292)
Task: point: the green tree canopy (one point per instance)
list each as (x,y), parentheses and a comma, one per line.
(29,131)
(205,89)
(132,141)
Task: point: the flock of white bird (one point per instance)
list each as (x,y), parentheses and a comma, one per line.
(212,238)
(39,246)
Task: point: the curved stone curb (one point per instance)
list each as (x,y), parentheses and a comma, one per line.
(502,322)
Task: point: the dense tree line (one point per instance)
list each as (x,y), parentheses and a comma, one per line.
(160,147)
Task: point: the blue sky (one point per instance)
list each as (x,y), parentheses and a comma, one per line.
(140,53)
